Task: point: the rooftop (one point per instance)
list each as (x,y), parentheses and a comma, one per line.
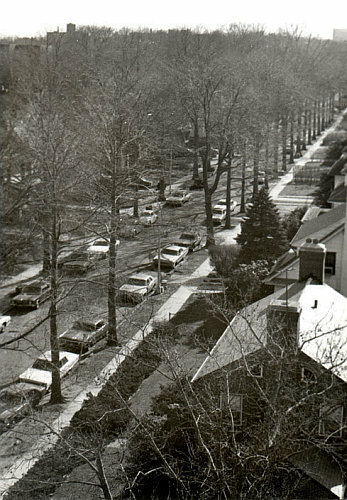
(322,329)
(321,226)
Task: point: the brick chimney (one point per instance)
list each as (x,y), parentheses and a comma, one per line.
(283,324)
(311,261)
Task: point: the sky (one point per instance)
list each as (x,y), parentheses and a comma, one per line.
(36,17)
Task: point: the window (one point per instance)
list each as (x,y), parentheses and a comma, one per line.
(308,376)
(330,263)
(231,404)
(331,420)
(255,370)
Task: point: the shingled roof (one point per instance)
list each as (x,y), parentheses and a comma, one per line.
(338,165)
(322,334)
(338,195)
(321,226)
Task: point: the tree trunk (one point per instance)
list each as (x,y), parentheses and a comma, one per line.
(309,128)
(243,179)
(196,152)
(228,199)
(267,152)
(291,156)
(319,118)
(275,146)
(136,203)
(56,394)
(314,131)
(256,165)
(304,129)
(284,143)
(112,311)
(46,260)
(102,477)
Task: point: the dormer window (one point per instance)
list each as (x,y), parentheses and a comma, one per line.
(255,370)
(330,263)
(331,420)
(308,376)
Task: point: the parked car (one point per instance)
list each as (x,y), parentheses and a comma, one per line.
(192,241)
(32,294)
(99,249)
(4,321)
(17,400)
(40,373)
(148,217)
(223,203)
(219,214)
(78,262)
(83,334)
(196,185)
(171,256)
(137,287)
(139,182)
(178,198)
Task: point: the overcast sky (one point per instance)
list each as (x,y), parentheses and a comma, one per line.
(36,17)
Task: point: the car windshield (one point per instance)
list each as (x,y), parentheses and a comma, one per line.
(187,236)
(222,202)
(100,243)
(178,193)
(32,289)
(171,251)
(87,326)
(79,256)
(137,281)
(218,211)
(147,213)
(44,364)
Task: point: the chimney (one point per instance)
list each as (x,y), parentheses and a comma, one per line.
(283,324)
(70,28)
(311,261)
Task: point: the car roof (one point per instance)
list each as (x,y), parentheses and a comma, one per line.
(141,275)
(171,247)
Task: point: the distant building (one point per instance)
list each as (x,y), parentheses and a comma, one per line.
(340,35)
(54,36)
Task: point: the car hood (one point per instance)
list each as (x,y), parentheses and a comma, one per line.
(97,249)
(25,297)
(79,335)
(77,263)
(184,242)
(133,289)
(166,257)
(41,377)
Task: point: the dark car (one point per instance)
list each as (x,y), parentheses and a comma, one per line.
(78,262)
(17,401)
(32,294)
(196,184)
(192,241)
(83,334)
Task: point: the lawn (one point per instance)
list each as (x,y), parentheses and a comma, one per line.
(293,189)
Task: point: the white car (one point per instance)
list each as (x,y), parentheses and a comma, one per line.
(100,248)
(219,214)
(223,203)
(137,287)
(41,371)
(177,198)
(171,256)
(148,217)
(83,334)
(4,321)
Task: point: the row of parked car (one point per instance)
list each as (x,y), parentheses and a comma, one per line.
(19,398)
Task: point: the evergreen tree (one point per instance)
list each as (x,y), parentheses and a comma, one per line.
(323,191)
(262,235)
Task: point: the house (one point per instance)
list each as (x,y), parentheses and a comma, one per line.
(282,362)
